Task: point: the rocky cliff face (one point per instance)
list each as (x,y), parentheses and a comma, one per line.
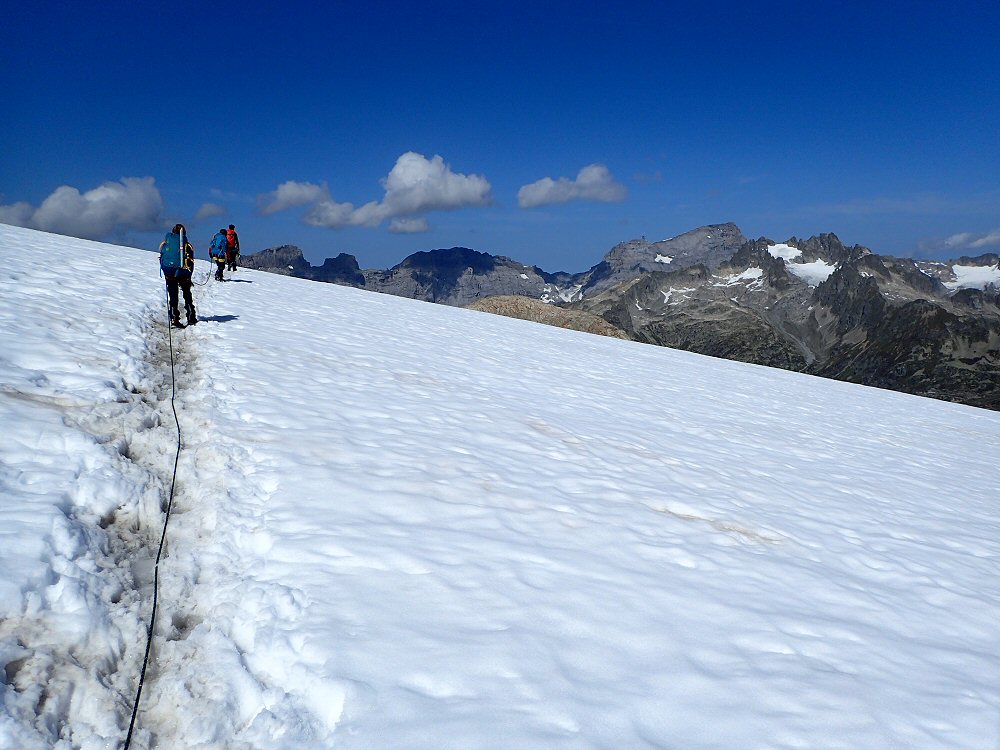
(286,259)
(289,260)
(709,246)
(458,276)
(819,307)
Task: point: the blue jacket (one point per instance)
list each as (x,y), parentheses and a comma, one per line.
(218,247)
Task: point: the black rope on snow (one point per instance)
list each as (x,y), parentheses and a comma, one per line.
(208,278)
(163,538)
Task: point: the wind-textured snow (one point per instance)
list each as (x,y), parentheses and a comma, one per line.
(401,525)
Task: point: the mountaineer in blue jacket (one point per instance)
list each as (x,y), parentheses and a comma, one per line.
(177,262)
(217,252)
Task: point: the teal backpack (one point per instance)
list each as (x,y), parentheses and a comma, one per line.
(170,254)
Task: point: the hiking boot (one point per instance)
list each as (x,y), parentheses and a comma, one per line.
(192,317)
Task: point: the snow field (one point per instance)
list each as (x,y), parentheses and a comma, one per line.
(404,525)
(74,511)
(507,518)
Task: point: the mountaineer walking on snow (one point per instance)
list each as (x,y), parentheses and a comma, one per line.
(176,263)
(218,254)
(232,247)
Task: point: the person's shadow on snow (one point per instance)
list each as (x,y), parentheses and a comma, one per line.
(220,318)
(239,281)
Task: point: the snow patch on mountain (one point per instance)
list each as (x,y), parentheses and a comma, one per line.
(750,276)
(814,273)
(783,251)
(553,294)
(682,291)
(974,277)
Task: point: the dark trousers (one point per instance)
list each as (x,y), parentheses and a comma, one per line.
(179,278)
(220,266)
(231,256)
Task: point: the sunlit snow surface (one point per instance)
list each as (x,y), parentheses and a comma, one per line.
(401,525)
(973,277)
(751,277)
(814,273)
(783,251)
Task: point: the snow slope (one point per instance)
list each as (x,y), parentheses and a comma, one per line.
(814,273)
(401,525)
(974,277)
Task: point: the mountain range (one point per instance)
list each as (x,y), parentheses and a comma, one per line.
(815,305)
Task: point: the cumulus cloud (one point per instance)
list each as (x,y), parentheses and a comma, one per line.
(593,183)
(208,210)
(974,241)
(132,203)
(329,213)
(415,185)
(291,194)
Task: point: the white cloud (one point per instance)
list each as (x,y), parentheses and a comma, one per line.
(409,226)
(329,213)
(593,183)
(291,194)
(974,241)
(415,185)
(209,210)
(133,203)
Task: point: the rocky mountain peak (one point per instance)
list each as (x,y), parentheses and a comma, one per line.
(286,259)
(709,245)
(452,261)
(827,247)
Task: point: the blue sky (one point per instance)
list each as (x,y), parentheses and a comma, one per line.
(545,131)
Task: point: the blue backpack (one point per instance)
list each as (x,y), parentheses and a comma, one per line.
(218,246)
(170,252)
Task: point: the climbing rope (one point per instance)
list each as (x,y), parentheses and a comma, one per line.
(163,538)
(208,276)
